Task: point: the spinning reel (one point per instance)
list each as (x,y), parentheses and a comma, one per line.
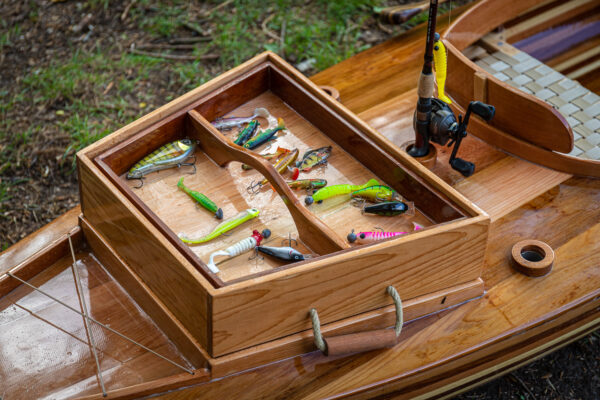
(434,121)
(443,127)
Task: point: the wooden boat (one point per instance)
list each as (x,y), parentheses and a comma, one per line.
(246,333)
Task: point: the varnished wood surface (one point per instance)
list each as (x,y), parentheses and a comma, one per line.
(44,349)
(519,318)
(344,282)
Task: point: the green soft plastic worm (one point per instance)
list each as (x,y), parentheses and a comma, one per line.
(337,190)
(224,226)
(202,199)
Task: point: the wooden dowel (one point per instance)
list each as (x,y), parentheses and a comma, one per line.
(360,342)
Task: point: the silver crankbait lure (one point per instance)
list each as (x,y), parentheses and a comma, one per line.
(225,124)
(283,253)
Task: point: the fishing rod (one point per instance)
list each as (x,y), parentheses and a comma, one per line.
(434,120)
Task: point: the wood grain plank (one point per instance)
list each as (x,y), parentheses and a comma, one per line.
(508,184)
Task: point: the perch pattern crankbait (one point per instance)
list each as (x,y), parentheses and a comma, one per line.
(246,133)
(224,124)
(312,158)
(388,209)
(270,156)
(337,190)
(280,166)
(202,199)
(170,155)
(264,136)
(313,183)
(224,226)
(376,194)
(370,237)
(282,253)
(240,247)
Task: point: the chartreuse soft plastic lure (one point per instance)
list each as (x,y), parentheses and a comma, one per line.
(313,183)
(376,194)
(388,209)
(337,190)
(224,226)
(265,136)
(246,133)
(170,155)
(202,199)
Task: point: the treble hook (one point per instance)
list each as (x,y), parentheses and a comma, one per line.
(254,188)
(290,240)
(379,199)
(359,203)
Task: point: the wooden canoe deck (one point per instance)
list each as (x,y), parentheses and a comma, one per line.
(518,319)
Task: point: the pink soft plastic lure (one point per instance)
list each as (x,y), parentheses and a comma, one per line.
(370,237)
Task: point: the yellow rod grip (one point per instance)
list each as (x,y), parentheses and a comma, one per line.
(440,64)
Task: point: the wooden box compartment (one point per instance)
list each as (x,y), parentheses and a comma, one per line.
(251,302)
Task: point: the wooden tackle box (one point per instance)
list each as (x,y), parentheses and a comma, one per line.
(258,310)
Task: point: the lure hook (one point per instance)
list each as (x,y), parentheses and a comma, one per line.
(289,240)
(381,229)
(141,183)
(254,188)
(380,199)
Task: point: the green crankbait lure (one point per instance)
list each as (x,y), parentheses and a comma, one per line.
(246,133)
(265,136)
(202,199)
(224,226)
(170,155)
(337,190)
(377,193)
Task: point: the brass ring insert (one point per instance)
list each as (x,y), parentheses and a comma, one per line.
(532,257)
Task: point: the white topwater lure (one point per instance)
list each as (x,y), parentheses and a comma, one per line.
(240,247)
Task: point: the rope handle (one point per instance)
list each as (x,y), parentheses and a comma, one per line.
(362,341)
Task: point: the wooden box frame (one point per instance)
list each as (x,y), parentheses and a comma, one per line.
(267,315)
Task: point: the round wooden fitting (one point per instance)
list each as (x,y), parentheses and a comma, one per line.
(532,257)
(428,160)
(330,90)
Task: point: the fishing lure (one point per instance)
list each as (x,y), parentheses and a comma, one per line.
(370,237)
(312,158)
(246,133)
(202,199)
(240,247)
(376,194)
(170,155)
(387,209)
(337,190)
(264,136)
(270,156)
(224,226)
(280,166)
(307,184)
(225,124)
(282,253)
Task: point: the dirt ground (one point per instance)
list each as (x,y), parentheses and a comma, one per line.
(37,178)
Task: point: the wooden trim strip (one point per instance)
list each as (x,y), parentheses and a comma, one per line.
(527,151)
(40,260)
